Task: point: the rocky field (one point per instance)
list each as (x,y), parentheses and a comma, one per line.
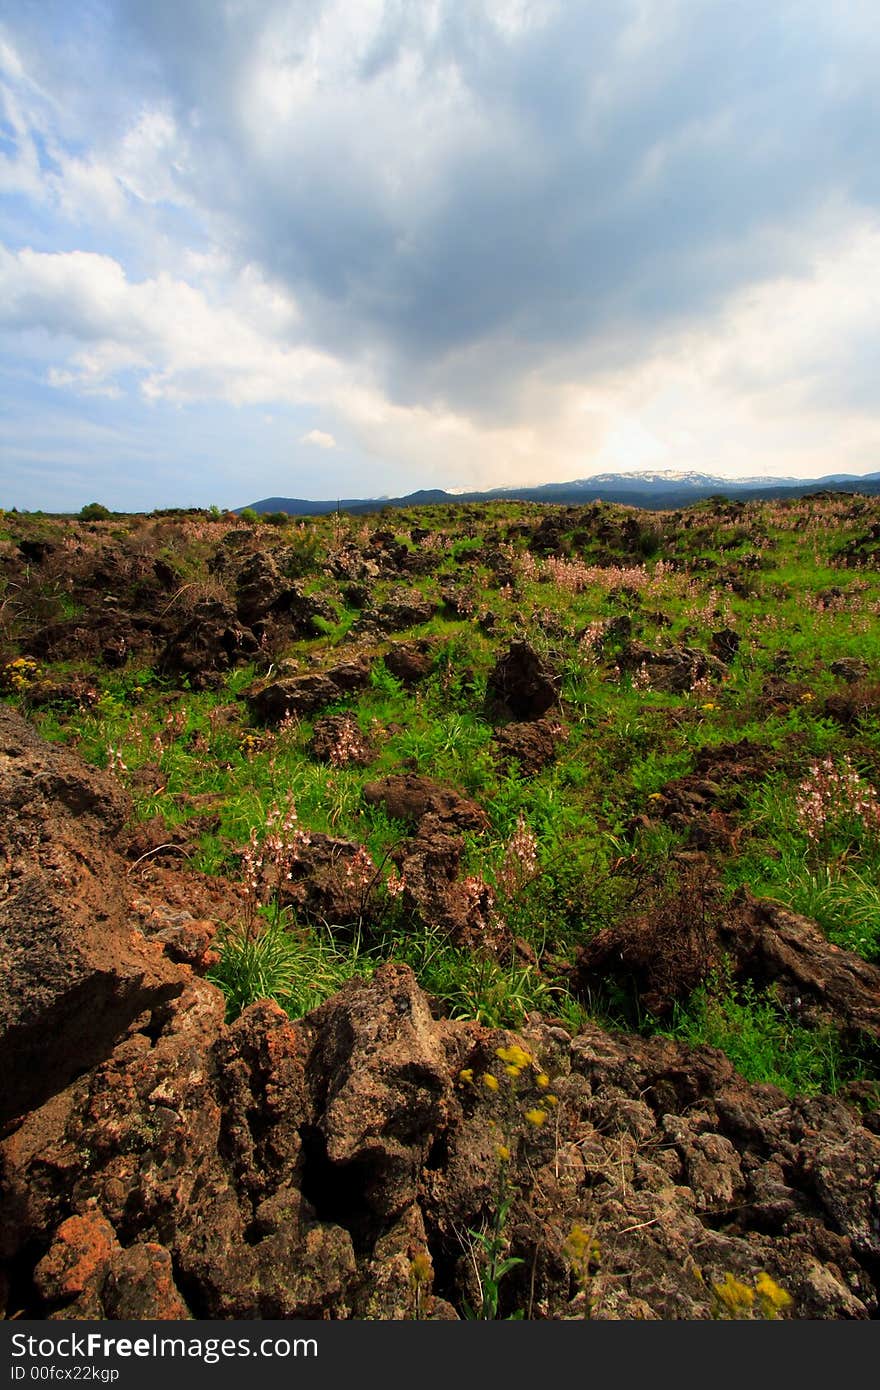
(469,911)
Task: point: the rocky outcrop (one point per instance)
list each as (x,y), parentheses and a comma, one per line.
(162,1163)
(408,797)
(211,641)
(665,951)
(530,746)
(306,695)
(522,686)
(73,973)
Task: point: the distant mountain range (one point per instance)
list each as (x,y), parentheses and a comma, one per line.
(652,490)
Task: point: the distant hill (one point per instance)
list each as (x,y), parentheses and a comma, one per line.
(651,490)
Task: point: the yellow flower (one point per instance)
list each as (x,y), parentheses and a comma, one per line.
(580,1246)
(709,705)
(466,1074)
(735,1297)
(807,697)
(420,1270)
(577,1242)
(536,1117)
(513,1071)
(551,1100)
(503,1152)
(542,1079)
(515,1055)
(490,1081)
(773,1297)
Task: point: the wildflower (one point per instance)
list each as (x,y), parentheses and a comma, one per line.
(349,745)
(536,1117)
(581,1246)
(642,678)
(395,884)
(503,1153)
(420,1273)
(420,1268)
(360,869)
(466,1074)
(734,1297)
(513,1071)
(520,864)
(515,1055)
(542,1079)
(18,674)
(115,763)
(830,796)
(772,1296)
(490,1082)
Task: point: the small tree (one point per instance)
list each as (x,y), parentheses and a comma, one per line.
(94,511)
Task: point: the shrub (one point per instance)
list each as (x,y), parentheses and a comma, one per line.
(94,511)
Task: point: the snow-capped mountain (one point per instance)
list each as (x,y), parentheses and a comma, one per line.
(651,489)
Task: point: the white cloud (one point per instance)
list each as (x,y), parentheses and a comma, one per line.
(320,438)
(183,345)
(737,395)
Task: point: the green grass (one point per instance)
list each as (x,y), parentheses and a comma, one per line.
(296,971)
(763,1043)
(594,811)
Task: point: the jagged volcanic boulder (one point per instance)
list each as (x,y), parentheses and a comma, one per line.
(211,641)
(438,898)
(262,589)
(337,739)
(73,973)
(532,746)
(522,686)
(330,880)
(305,695)
(402,608)
(408,797)
(725,644)
(410,662)
(768,943)
(663,952)
(675,670)
(258,585)
(850,668)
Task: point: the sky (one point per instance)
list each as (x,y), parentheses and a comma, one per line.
(258,248)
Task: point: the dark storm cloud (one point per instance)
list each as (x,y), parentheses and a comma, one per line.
(610,172)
